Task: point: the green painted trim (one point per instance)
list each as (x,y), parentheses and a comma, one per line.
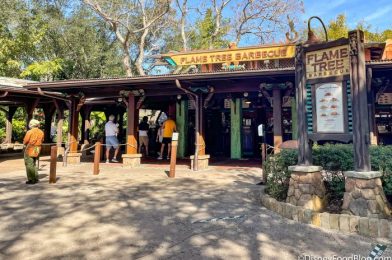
(294,119)
(182,127)
(235,128)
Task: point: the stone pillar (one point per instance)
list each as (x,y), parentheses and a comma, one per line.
(131,158)
(306,188)
(277,115)
(73,157)
(235,128)
(364,195)
(182,127)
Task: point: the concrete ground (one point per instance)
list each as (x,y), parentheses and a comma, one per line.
(142,214)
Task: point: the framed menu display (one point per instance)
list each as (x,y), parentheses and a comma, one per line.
(329,107)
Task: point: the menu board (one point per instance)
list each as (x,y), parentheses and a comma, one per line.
(329,107)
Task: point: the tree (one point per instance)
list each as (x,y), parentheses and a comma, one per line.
(338,28)
(262,19)
(81,41)
(20,31)
(132,21)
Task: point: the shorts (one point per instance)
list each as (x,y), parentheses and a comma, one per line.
(166,140)
(143,140)
(111,141)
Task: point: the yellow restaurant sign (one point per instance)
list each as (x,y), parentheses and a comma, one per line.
(234,55)
(329,62)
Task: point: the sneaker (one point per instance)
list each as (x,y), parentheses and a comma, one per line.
(160,158)
(30,182)
(107,161)
(114,160)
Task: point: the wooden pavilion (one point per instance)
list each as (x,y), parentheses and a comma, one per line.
(222,94)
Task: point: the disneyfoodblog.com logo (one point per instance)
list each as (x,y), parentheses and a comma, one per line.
(352,257)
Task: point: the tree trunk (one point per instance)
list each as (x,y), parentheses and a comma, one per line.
(127,61)
(140,58)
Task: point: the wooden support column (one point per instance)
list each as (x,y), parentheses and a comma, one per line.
(74,126)
(277,115)
(304,148)
(85,114)
(60,122)
(30,107)
(121,125)
(131,158)
(202,158)
(202,143)
(73,156)
(294,122)
(361,137)
(172,110)
(182,127)
(48,112)
(131,131)
(8,127)
(235,128)
(371,108)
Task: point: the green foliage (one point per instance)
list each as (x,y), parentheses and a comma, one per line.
(19,127)
(203,37)
(338,28)
(278,175)
(98,120)
(334,159)
(48,40)
(2,125)
(43,70)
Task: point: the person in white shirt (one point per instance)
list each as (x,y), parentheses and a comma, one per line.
(111,131)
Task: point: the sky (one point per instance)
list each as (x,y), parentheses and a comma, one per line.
(377,13)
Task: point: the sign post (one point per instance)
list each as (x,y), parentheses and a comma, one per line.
(173,156)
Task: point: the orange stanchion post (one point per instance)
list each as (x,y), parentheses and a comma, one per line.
(97,158)
(173,156)
(53,164)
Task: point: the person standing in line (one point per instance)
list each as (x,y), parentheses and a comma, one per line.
(111,131)
(143,134)
(168,127)
(33,141)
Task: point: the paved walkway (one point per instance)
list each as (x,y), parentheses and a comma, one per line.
(142,214)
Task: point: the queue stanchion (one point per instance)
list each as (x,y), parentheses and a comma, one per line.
(173,156)
(97,158)
(53,164)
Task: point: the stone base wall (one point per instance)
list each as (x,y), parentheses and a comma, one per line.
(371,227)
(131,160)
(73,158)
(365,198)
(203,161)
(306,189)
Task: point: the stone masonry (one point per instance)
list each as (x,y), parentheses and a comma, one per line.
(306,189)
(365,198)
